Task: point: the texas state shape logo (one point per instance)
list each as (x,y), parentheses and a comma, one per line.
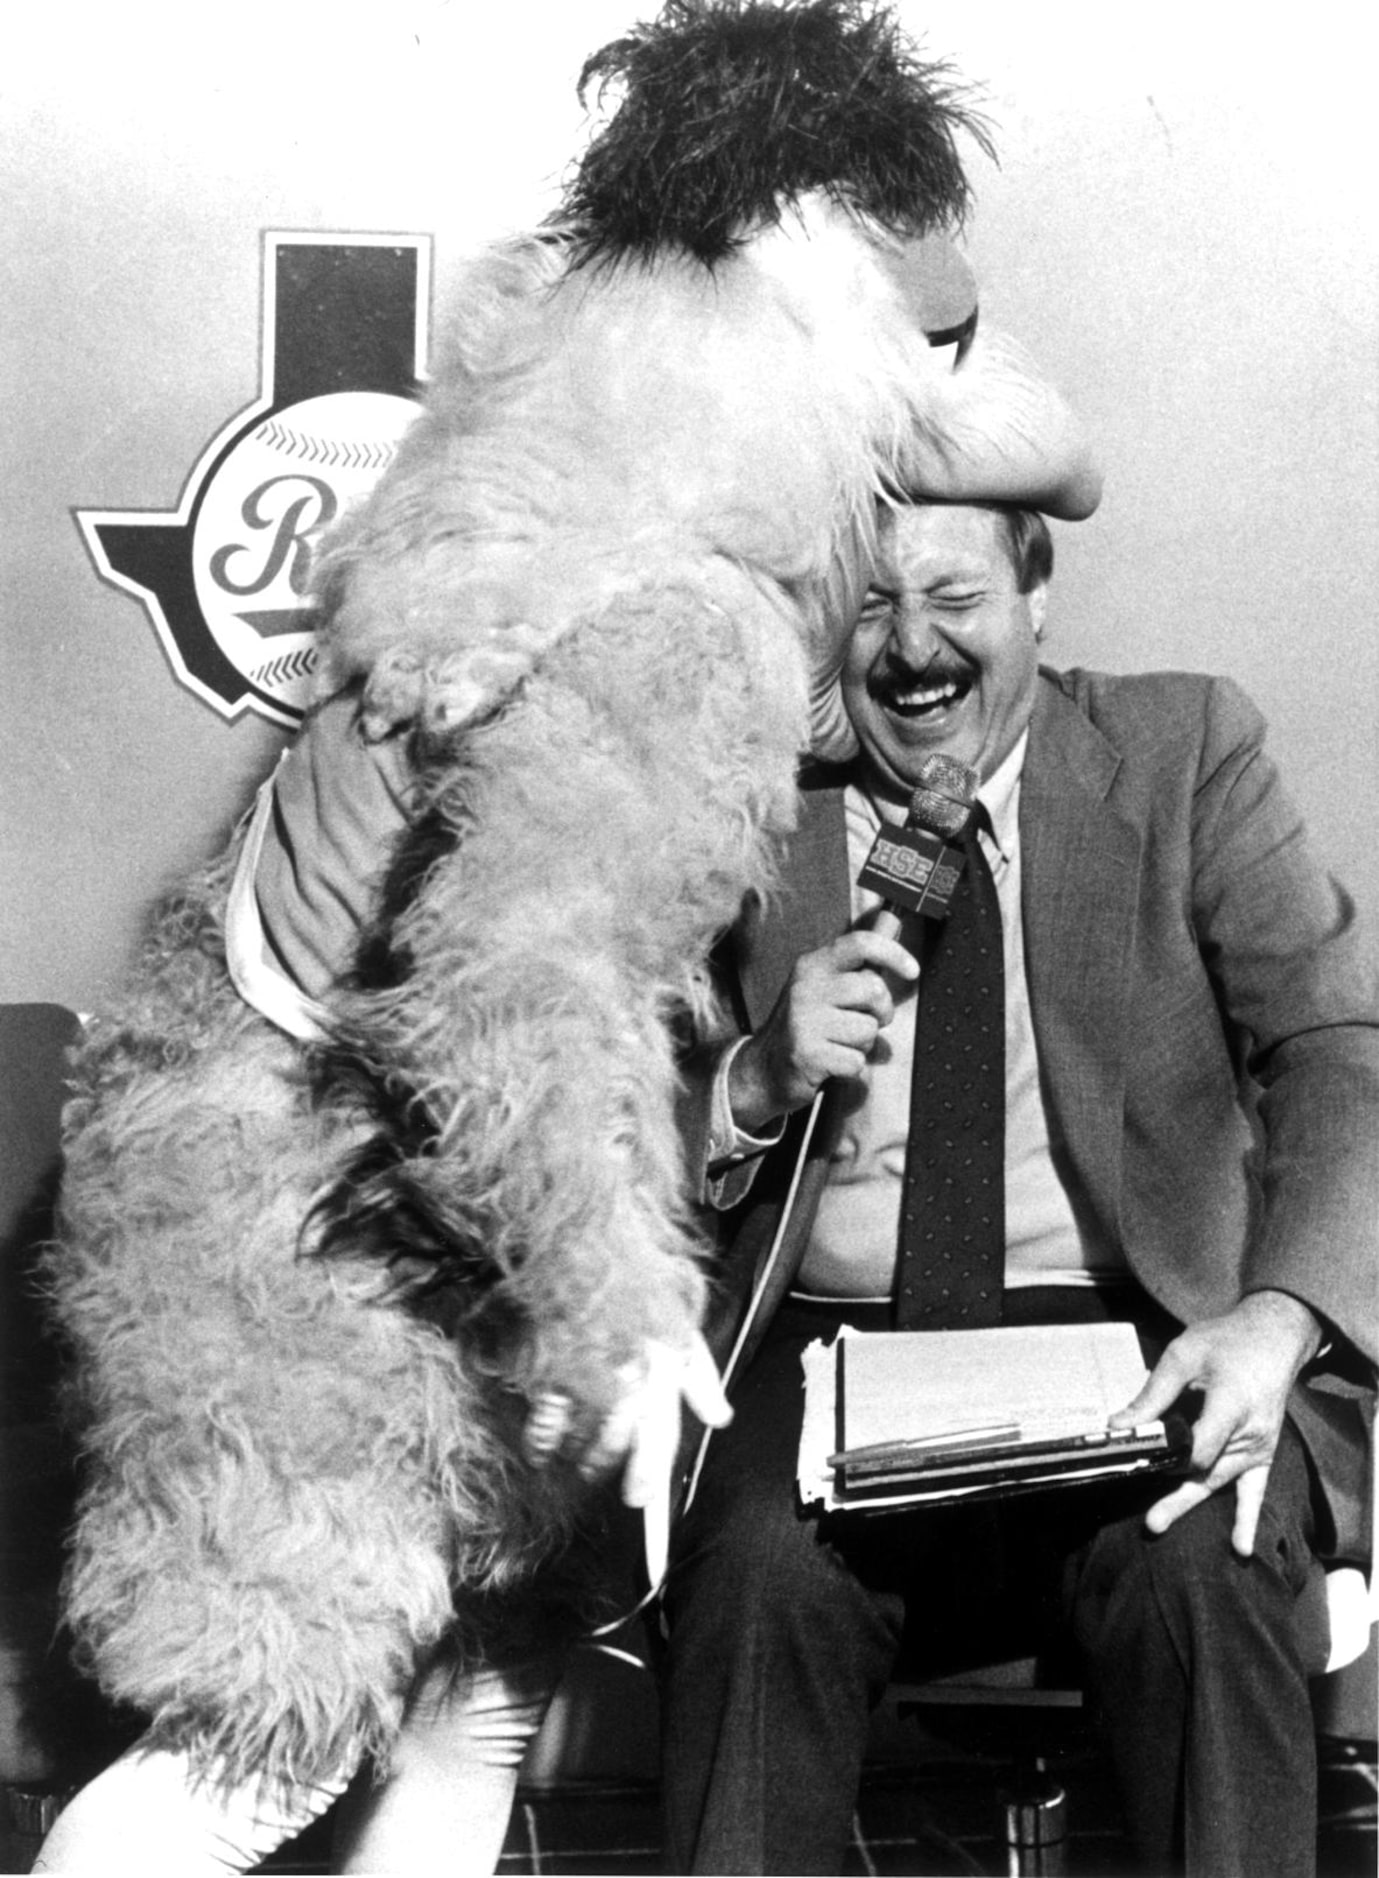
(225,577)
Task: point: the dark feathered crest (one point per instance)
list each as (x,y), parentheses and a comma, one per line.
(734,109)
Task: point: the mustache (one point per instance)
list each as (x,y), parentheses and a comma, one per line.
(891,675)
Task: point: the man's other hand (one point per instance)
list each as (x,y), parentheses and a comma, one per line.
(825,1023)
(1243,1364)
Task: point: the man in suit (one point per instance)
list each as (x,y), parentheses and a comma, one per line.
(1191,1079)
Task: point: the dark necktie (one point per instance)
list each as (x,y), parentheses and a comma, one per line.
(951,1266)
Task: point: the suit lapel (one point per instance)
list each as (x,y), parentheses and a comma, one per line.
(1081,861)
(811,904)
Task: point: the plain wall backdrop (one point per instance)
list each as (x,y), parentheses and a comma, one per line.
(1180,229)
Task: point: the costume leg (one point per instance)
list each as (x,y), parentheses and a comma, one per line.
(148,1816)
(1197,1669)
(776,1653)
(445,1804)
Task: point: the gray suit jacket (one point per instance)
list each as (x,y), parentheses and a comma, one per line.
(1206,1013)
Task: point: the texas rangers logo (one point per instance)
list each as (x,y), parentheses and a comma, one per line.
(225,578)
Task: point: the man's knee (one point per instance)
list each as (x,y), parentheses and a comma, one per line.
(1188,1574)
(737,1556)
(1196,1543)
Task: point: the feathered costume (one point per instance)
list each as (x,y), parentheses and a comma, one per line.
(572,649)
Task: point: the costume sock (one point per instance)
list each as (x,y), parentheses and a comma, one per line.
(445,1804)
(149,1815)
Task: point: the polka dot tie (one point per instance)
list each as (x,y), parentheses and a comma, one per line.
(951,1268)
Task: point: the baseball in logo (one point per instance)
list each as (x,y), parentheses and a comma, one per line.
(226,577)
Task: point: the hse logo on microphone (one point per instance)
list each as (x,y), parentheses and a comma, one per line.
(225,578)
(911,867)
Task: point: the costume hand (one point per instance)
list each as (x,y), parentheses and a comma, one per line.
(825,1023)
(1244,1364)
(642,1431)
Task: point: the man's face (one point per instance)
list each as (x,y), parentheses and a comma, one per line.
(945,653)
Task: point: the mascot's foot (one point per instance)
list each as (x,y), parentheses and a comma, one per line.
(445,1805)
(148,1816)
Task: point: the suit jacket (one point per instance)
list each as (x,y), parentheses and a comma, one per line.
(1206,1012)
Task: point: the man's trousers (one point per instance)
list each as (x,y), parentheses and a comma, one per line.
(785,1628)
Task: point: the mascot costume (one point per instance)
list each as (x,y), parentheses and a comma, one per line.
(376,1245)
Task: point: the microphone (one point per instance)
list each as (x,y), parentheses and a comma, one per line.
(914,868)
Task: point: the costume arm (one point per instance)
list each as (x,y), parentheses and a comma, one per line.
(1298,984)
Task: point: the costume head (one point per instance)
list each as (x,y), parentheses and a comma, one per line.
(734,113)
(736,336)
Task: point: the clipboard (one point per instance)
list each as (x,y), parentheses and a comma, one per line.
(925,1416)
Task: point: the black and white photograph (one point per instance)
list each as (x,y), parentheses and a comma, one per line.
(689,939)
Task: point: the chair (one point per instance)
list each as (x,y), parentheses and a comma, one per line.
(53,1727)
(33,1041)
(1028,1709)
